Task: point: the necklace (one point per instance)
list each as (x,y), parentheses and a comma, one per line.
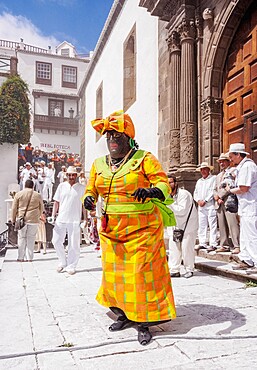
(115,166)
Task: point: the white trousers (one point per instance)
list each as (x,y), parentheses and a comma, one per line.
(40,188)
(248,240)
(59,233)
(207,216)
(184,250)
(26,241)
(48,192)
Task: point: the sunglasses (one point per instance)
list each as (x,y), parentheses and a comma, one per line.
(114,135)
(72,174)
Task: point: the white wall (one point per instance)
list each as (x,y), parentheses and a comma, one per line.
(8,175)
(109,70)
(46,142)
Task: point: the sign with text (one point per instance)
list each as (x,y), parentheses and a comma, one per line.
(54,146)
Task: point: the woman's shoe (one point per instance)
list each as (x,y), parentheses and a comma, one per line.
(144,335)
(119,324)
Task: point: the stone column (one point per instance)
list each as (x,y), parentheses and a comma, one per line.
(210,132)
(188,106)
(175,60)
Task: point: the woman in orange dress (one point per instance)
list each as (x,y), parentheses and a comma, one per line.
(136,283)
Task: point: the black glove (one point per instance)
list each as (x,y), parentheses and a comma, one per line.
(143,193)
(89,203)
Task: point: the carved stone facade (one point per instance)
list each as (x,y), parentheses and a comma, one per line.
(194,38)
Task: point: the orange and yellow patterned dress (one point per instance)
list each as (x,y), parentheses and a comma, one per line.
(136,276)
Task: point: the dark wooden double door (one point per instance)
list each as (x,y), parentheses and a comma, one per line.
(240,86)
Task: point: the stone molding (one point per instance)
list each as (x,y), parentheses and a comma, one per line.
(211,105)
(187,29)
(173,41)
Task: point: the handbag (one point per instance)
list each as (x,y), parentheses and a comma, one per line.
(20,221)
(231,203)
(178,234)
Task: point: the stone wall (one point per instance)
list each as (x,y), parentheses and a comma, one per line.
(9,158)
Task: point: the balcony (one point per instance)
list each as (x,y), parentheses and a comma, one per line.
(55,123)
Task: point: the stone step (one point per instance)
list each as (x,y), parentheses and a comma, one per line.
(220,264)
(222,256)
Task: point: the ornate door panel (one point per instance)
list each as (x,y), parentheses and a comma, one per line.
(240,86)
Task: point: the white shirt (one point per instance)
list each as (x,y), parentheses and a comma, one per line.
(61,176)
(25,174)
(70,204)
(247,176)
(204,189)
(181,207)
(49,175)
(41,174)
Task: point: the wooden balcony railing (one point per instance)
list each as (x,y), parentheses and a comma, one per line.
(56,123)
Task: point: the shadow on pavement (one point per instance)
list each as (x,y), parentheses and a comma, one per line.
(196,315)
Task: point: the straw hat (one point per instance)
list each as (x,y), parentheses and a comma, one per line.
(72,169)
(223,157)
(237,148)
(204,165)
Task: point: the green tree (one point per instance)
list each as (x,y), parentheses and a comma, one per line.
(14,111)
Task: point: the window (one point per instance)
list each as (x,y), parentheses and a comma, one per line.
(99,106)
(69,77)
(65,52)
(56,108)
(129,70)
(43,73)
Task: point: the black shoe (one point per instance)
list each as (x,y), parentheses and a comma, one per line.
(144,335)
(174,274)
(119,324)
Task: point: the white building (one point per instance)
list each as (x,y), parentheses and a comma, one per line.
(54,79)
(123,74)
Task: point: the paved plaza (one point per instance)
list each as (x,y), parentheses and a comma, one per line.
(51,321)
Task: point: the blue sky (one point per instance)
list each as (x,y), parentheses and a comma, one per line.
(49,22)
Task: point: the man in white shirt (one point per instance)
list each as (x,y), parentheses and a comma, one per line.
(67,202)
(28,174)
(41,172)
(48,183)
(183,208)
(203,195)
(62,175)
(246,191)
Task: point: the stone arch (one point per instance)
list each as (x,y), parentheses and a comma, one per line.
(222,35)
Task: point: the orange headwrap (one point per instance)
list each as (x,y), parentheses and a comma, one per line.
(118,121)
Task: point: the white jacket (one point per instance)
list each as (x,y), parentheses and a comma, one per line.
(204,190)
(181,207)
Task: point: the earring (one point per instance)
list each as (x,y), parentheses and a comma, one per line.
(132,143)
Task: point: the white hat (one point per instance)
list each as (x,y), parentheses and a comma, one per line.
(223,157)
(27,164)
(71,169)
(237,148)
(43,162)
(204,165)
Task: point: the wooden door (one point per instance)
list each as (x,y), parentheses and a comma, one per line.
(240,86)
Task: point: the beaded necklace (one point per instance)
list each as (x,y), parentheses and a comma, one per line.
(115,166)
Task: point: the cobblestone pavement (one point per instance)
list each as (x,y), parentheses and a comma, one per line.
(52,321)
